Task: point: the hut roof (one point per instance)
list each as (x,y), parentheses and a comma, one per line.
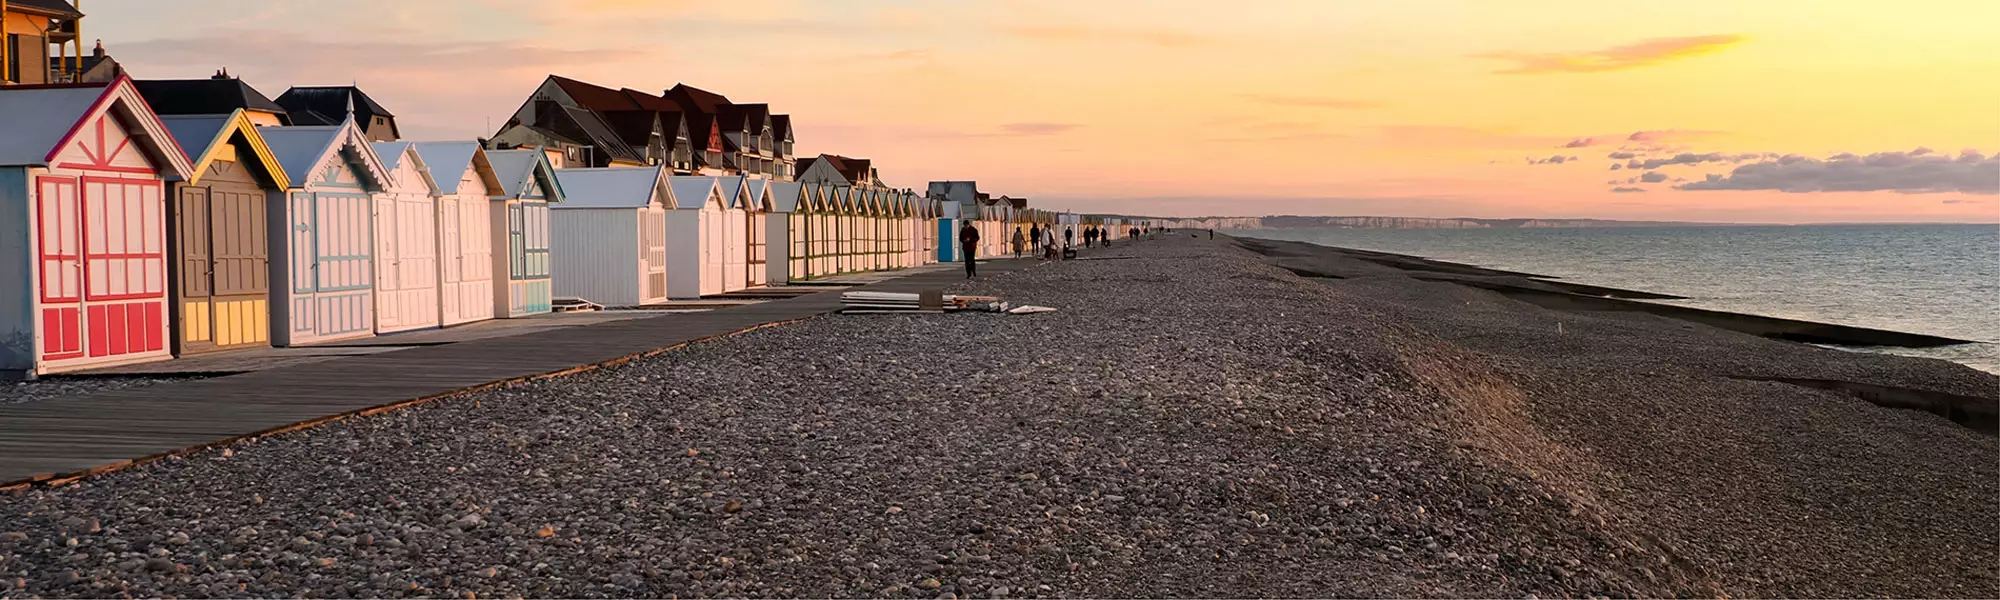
(44,119)
(785,196)
(693,191)
(301,148)
(450,160)
(394,153)
(201,135)
(614,187)
(515,168)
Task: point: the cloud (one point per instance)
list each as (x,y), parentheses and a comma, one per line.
(1038,128)
(1580,142)
(1653,177)
(1690,158)
(1315,101)
(1553,160)
(1616,166)
(1063,33)
(1628,190)
(1617,58)
(1623,155)
(1903,172)
(1665,135)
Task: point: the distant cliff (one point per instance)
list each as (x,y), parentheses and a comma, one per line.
(1295,222)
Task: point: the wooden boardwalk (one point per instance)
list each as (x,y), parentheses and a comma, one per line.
(58,440)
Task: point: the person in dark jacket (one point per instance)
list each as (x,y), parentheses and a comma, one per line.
(968,245)
(1035,236)
(1069,237)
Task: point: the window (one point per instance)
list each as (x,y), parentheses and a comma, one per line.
(12,70)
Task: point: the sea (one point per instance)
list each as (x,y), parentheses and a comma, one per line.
(1933,279)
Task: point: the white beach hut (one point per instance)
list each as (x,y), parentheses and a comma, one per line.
(406,242)
(609,235)
(520,231)
(467,186)
(735,232)
(696,230)
(323,289)
(83,234)
(782,235)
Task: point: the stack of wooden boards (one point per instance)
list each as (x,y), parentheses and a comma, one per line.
(932,301)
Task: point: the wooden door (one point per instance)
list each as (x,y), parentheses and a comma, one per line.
(124,267)
(195,276)
(653,236)
(60,229)
(342,262)
(451,260)
(406,281)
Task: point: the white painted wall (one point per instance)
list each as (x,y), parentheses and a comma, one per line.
(594,254)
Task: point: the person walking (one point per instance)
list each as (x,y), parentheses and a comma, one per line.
(1069,237)
(968,245)
(1048,243)
(1020,241)
(1035,235)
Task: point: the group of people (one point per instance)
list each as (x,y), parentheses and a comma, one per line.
(1041,239)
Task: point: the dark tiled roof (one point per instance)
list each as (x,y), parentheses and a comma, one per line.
(854,169)
(54,8)
(650,102)
(593,97)
(781,126)
(579,124)
(203,96)
(331,101)
(700,100)
(634,127)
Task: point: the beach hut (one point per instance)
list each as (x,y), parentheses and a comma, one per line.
(528,187)
(610,238)
(696,228)
(323,289)
(819,230)
(406,242)
(466,185)
(782,234)
(735,231)
(83,233)
(218,233)
(756,215)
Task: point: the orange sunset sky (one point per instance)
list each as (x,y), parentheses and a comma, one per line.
(1743,111)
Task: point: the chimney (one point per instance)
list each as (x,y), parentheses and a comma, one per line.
(98,52)
(222,73)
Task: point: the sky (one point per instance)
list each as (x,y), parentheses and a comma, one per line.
(1772,111)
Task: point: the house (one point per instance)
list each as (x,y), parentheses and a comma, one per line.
(781,132)
(840,171)
(93,68)
(39,35)
(610,235)
(406,242)
(328,106)
(217,95)
(697,229)
(83,234)
(323,284)
(528,186)
(747,139)
(469,192)
(599,126)
(218,234)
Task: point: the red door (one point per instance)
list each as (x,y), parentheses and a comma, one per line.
(60,224)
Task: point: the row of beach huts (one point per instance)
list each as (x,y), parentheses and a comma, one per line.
(141,220)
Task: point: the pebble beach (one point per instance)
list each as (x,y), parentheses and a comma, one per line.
(1194,421)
